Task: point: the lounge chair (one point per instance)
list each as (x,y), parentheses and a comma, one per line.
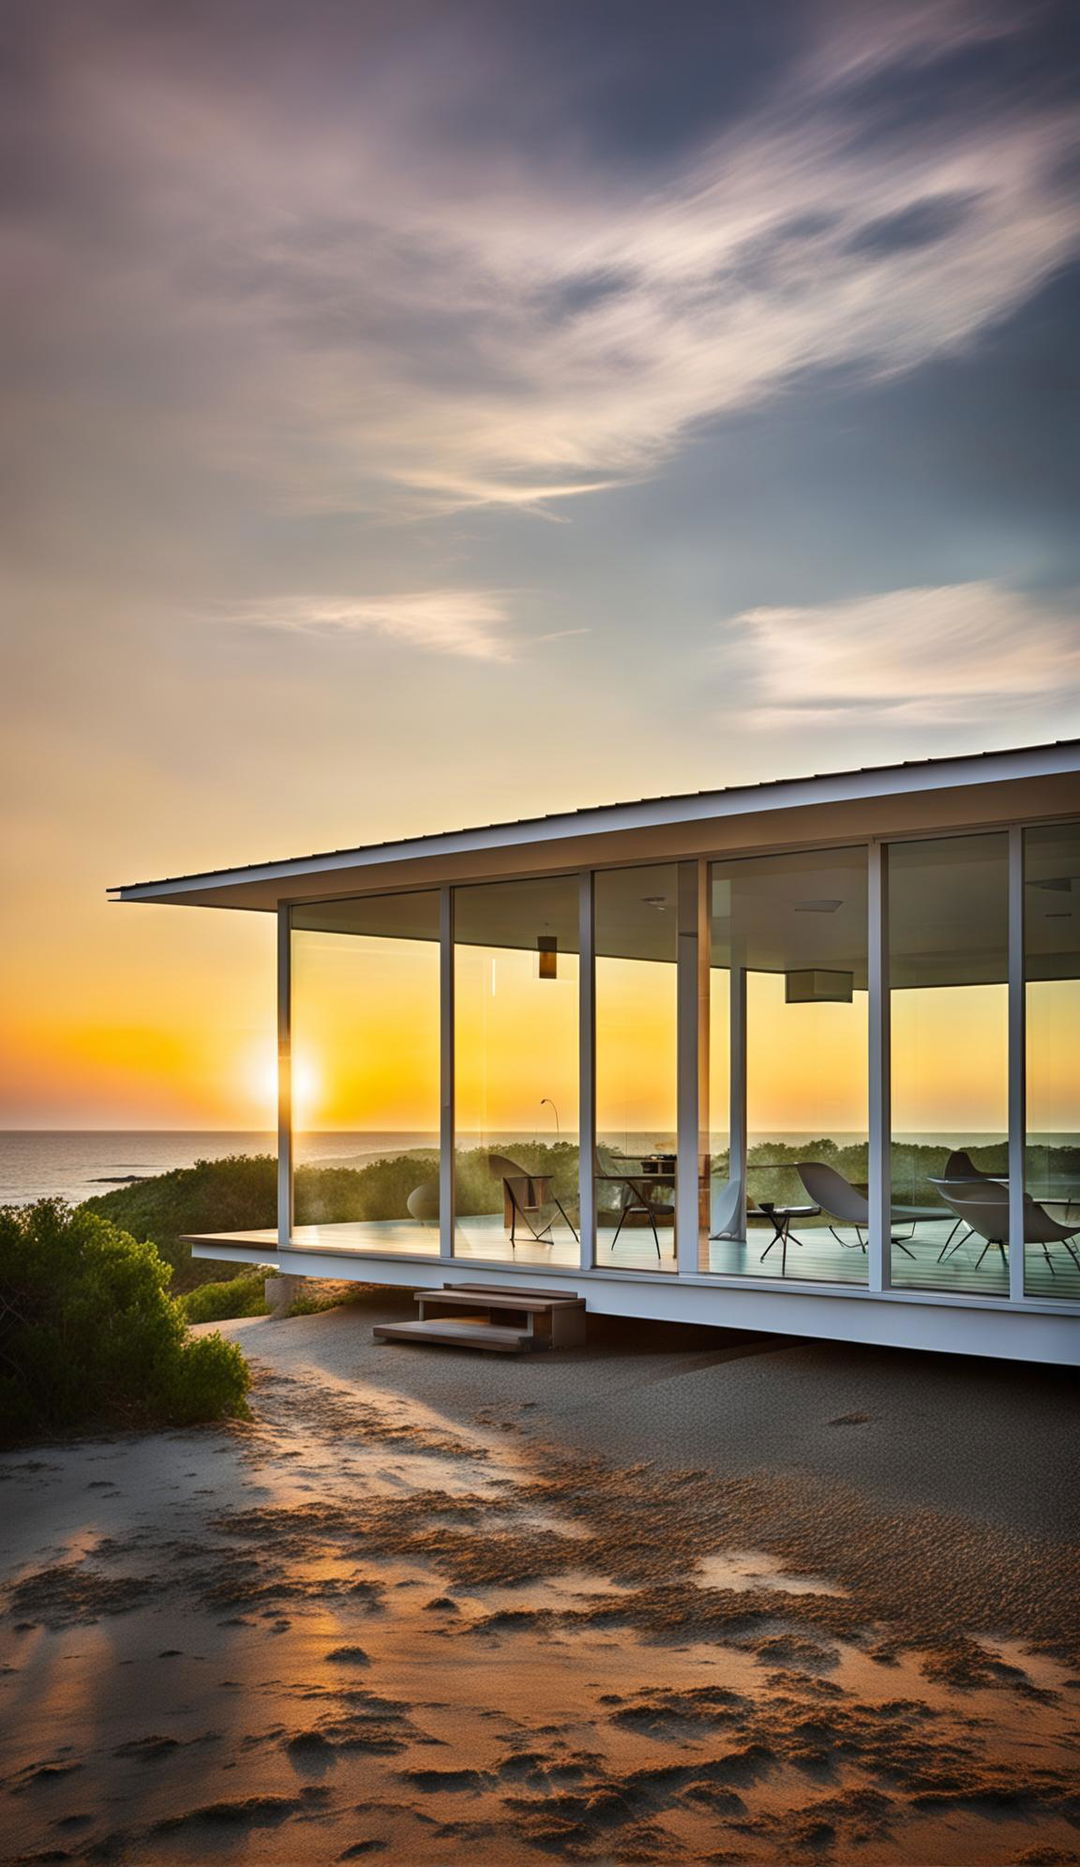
(851,1206)
(526,1197)
(960,1168)
(985,1210)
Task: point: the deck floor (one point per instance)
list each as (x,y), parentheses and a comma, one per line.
(817,1257)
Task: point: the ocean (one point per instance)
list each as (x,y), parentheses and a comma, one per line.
(75,1164)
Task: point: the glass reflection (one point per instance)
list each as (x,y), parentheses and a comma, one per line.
(516,988)
(789,990)
(636,922)
(365,1042)
(948,958)
(1052,994)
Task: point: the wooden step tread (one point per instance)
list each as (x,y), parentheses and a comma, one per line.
(505,1290)
(473,1334)
(476,1299)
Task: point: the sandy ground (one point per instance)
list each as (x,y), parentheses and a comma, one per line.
(673,1598)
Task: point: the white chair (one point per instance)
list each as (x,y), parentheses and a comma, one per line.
(961,1168)
(986,1212)
(829,1190)
(726,1210)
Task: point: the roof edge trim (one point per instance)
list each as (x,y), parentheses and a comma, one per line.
(738,800)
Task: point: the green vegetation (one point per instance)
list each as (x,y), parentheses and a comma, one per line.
(322,1294)
(236,1194)
(234,1296)
(239,1194)
(913,1165)
(89,1336)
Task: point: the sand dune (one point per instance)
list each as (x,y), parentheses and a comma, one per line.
(605,1607)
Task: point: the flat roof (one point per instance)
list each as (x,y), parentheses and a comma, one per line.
(265,880)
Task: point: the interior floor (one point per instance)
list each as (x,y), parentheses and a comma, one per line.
(814,1253)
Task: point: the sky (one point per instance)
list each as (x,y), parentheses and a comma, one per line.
(428,412)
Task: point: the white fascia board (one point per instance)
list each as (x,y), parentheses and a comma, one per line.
(649,813)
(910,1319)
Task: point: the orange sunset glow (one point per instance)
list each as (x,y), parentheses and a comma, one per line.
(539,932)
(382,465)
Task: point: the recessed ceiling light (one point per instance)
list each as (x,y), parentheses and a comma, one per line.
(817,907)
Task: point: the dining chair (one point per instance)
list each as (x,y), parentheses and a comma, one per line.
(526,1197)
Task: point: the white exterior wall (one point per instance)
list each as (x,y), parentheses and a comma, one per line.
(911,1319)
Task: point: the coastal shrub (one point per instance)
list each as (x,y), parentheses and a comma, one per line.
(322,1294)
(913,1164)
(90,1337)
(239,1193)
(235,1194)
(234,1296)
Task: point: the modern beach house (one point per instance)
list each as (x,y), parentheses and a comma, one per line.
(801,1056)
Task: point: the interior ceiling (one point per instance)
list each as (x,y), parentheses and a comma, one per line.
(1052,901)
(636,913)
(391,917)
(948,912)
(787,913)
(948,915)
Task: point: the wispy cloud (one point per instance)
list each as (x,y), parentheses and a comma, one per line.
(467,623)
(371,312)
(937,656)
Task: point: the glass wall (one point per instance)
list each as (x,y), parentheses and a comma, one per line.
(516,1012)
(782,1169)
(788,958)
(720,1208)
(636,915)
(948,959)
(1052,1000)
(365,1067)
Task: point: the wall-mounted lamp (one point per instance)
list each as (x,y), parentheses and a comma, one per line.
(548,949)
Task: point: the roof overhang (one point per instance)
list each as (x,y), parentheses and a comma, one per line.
(933,795)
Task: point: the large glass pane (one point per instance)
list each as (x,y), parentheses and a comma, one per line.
(789,945)
(948,957)
(636,921)
(365,1040)
(720,1205)
(1052,974)
(516,1010)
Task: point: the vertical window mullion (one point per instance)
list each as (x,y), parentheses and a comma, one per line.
(284,1076)
(447,1139)
(1017,1065)
(737,1136)
(879,1267)
(690,1050)
(587,1070)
